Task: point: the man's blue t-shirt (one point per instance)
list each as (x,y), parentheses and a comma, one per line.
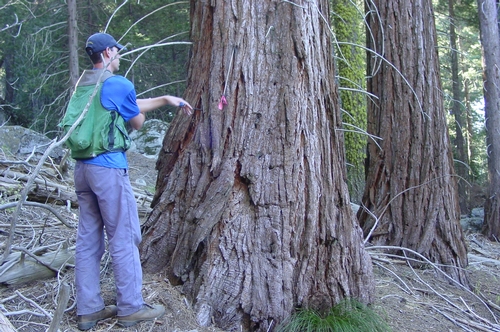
(117,94)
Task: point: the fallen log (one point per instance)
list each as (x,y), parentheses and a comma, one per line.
(19,268)
(42,190)
(483,260)
(39,180)
(5,324)
(52,195)
(45,191)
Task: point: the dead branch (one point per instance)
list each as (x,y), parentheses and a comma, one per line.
(466,318)
(45,206)
(33,303)
(62,303)
(15,162)
(481,327)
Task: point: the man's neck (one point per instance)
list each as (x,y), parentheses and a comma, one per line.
(99,65)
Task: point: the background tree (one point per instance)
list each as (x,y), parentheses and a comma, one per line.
(159,70)
(74,70)
(460,115)
(38,51)
(490,40)
(35,73)
(252,214)
(460,64)
(411,188)
(351,63)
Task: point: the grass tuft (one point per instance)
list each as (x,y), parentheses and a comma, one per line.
(347,316)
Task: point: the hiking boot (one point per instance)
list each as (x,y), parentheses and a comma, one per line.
(86,322)
(148,312)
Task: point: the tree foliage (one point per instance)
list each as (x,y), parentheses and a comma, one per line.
(34,53)
(31,60)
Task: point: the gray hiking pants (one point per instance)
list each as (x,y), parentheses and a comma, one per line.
(107,203)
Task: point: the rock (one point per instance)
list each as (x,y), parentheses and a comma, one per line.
(141,182)
(21,142)
(477,213)
(472,224)
(149,139)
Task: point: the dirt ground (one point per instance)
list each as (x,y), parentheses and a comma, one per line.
(409,300)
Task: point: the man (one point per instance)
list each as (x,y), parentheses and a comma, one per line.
(104,192)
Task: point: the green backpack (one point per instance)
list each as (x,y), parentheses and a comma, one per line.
(101,130)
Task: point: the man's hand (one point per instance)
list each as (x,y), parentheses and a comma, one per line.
(184,105)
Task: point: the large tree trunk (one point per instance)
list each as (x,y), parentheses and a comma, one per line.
(252,214)
(411,187)
(490,40)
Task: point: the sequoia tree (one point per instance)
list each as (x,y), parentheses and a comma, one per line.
(490,41)
(251,214)
(411,197)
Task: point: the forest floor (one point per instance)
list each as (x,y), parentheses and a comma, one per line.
(409,300)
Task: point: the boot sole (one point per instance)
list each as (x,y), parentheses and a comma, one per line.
(86,326)
(131,322)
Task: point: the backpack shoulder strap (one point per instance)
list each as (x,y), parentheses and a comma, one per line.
(91,77)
